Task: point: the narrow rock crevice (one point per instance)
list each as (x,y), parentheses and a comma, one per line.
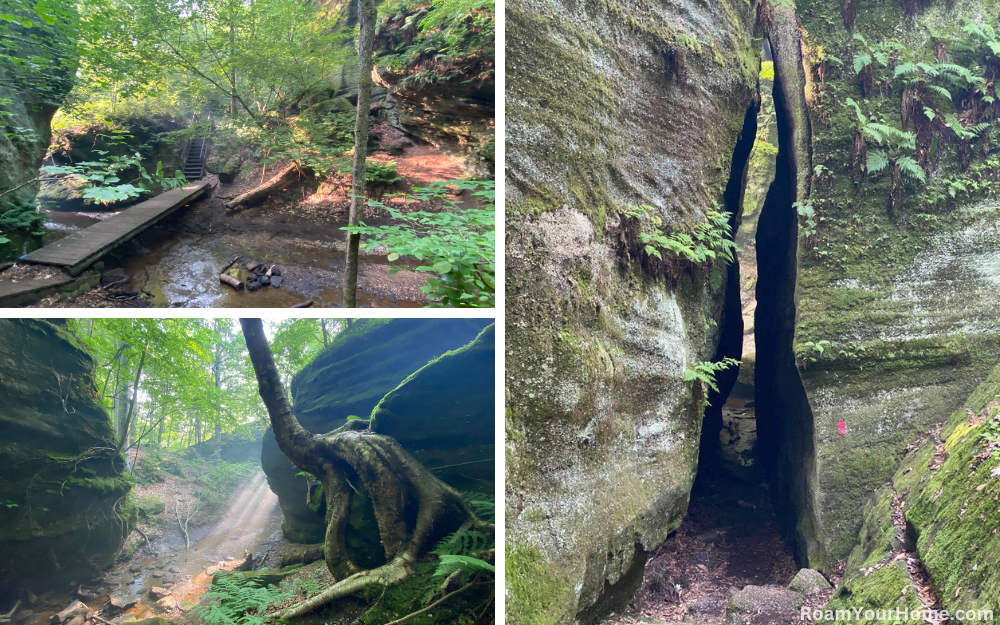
(785,428)
(731,325)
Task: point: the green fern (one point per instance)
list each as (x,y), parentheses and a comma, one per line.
(463,542)
(904,69)
(450,563)
(704,372)
(877,161)
(861,61)
(239,602)
(711,239)
(910,168)
(484,504)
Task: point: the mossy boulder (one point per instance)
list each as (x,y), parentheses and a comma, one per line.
(30,99)
(63,507)
(331,105)
(442,413)
(350,377)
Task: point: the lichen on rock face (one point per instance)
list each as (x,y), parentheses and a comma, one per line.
(63,513)
(609,105)
(901,300)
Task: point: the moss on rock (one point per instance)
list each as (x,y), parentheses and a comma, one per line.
(348,378)
(949,513)
(609,104)
(66,512)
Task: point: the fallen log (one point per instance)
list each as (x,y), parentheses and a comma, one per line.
(231,281)
(305,304)
(279,182)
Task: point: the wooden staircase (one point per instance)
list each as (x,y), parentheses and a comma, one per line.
(193,158)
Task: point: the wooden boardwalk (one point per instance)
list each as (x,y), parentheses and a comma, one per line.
(81,249)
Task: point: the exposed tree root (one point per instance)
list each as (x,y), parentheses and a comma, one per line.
(398,486)
(385,575)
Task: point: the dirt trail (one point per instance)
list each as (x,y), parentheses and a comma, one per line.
(729,540)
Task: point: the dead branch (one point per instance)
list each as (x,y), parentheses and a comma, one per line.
(10,615)
(231,281)
(184,524)
(400,621)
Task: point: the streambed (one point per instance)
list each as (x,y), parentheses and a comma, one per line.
(251,523)
(177,263)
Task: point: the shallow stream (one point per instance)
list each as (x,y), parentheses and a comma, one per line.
(251,523)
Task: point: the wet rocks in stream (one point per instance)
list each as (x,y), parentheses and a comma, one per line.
(157,592)
(260,275)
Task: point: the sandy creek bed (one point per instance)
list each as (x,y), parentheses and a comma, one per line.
(251,523)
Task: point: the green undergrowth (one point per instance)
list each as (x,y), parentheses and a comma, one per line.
(438,40)
(921,68)
(22,230)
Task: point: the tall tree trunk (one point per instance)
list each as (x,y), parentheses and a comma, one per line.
(121,395)
(326,336)
(159,435)
(366,45)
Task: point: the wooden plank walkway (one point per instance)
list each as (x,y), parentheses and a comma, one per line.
(82,249)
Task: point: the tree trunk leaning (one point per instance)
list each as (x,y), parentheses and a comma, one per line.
(366,45)
(280,181)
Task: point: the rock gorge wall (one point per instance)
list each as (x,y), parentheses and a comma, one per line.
(62,495)
(939,509)
(32,98)
(609,105)
(903,302)
(880,319)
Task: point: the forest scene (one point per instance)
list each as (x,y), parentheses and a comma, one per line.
(753,348)
(155,153)
(235,472)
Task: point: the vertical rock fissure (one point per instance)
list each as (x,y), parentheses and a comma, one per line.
(785,425)
(731,325)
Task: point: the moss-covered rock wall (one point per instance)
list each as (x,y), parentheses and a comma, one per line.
(609,104)
(350,377)
(62,493)
(37,68)
(443,413)
(940,507)
(894,327)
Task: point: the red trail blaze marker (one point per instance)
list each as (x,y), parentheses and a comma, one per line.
(842,427)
